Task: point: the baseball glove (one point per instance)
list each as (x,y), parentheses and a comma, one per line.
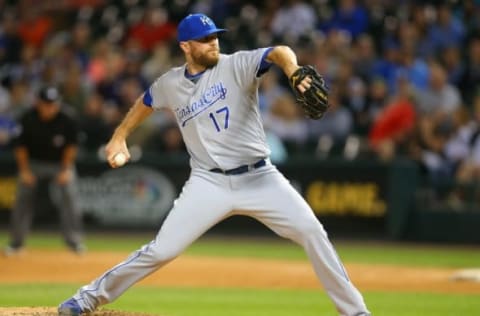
(314,101)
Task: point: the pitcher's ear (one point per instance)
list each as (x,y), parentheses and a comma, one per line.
(184,46)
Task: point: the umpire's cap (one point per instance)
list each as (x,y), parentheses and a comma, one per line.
(196,26)
(49,94)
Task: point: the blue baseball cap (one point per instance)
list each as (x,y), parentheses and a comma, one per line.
(195,26)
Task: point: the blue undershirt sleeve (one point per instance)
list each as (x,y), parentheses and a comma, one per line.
(147,98)
(264,64)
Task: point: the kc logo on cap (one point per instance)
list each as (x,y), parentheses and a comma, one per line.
(196,26)
(206,20)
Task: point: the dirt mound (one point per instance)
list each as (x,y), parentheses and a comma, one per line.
(52,311)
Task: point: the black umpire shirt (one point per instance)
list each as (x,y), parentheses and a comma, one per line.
(46,140)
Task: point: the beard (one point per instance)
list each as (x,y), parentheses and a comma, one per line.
(208,59)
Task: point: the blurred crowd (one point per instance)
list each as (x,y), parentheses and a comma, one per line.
(404,75)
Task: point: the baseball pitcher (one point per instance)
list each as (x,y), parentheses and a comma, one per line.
(215,100)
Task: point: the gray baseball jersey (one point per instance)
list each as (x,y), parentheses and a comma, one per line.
(218,115)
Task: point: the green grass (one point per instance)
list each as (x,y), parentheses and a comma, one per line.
(251,302)
(411,254)
(372,253)
(276,248)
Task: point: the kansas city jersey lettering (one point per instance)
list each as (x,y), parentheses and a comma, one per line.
(208,98)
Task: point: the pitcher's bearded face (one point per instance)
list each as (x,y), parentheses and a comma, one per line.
(207,59)
(205,51)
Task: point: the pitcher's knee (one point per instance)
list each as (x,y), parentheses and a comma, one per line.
(304,228)
(310,228)
(162,252)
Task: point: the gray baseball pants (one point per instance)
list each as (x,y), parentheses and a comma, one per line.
(62,196)
(208,198)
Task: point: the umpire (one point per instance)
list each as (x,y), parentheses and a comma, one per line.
(45,152)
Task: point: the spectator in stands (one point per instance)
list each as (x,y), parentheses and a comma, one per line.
(414,69)
(337,123)
(8,126)
(8,130)
(286,120)
(74,88)
(14,101)
(436,107)
(29,68)
(465,147)
(10,42)
(157,63)
(357,101)
(386,67)
(21,97)
(447,29)
(132,70)
(394,124)
(128,90)
(470,82)
(438,168)
(270,89)
(464,128)
(152,29)
(469,13)
(451,58)
(364,57)
(45,151)
(218,10)
(420,18)
(94,131)
(110,85)
(350,91)
(98,66)
(336,52)
(278,151)
(294,10)
(79,42)
(169,139)
(268,10)
(376,100)
(350,16)
(440,98)
(35,25)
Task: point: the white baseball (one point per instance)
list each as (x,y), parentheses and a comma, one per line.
(120,159)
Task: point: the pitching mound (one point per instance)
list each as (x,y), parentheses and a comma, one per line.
(52,311)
